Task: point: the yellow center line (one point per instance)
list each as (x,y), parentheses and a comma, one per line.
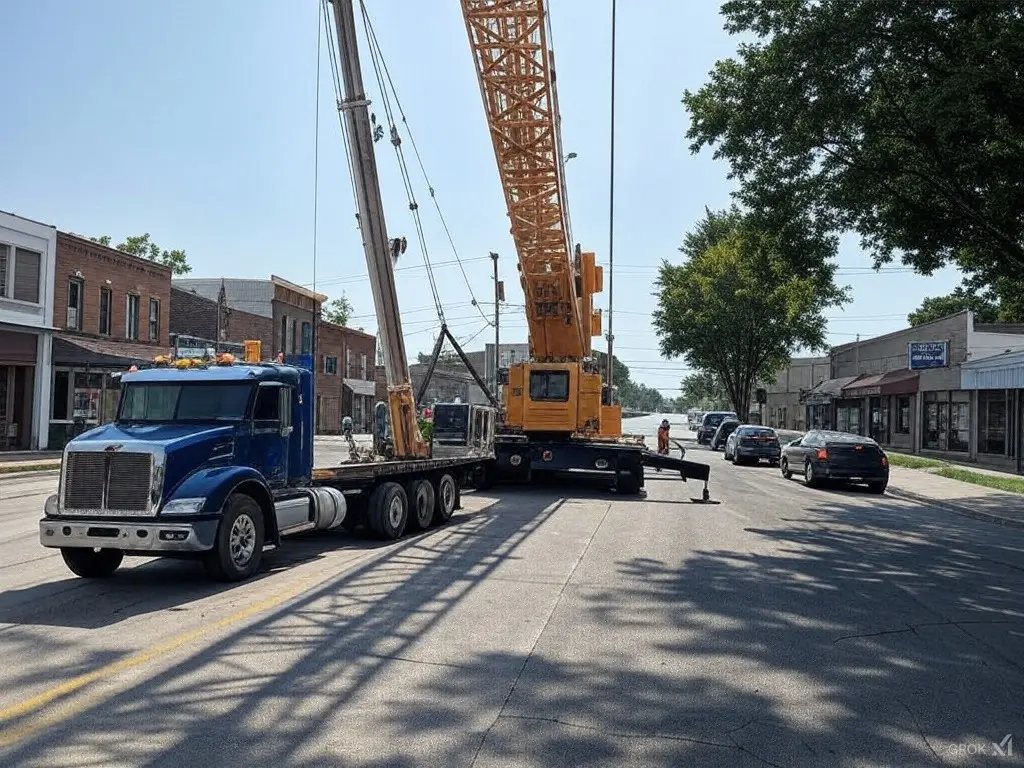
(14,734)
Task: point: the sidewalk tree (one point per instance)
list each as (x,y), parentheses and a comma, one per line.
(738,310)
(898,120)
(703,390)
(337,311)
(144,247)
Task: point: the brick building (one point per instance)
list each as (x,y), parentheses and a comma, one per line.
(783,408)
(27,257)
(113,310)
(195,318)
(290,308)
(280,315)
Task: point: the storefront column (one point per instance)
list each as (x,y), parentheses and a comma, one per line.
(41,392)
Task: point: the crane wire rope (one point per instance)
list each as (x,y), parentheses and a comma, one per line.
(378,54)
(339,95)
(376,57)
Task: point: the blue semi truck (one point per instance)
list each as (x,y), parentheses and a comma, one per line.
(215,462)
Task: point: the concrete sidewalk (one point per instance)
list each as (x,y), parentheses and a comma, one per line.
(977,501)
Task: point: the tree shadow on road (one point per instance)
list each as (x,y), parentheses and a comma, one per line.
(833,638)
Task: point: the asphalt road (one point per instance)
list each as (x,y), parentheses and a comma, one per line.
(782,626)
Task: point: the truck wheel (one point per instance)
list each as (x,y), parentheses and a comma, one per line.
(446,499)
(238,550)
(90,564)
(388,512)
(421,504)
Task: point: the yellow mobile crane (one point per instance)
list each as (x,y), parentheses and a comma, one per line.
(558,415)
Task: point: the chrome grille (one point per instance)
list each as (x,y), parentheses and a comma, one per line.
(113,483)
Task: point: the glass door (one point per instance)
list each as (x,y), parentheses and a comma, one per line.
(5,405)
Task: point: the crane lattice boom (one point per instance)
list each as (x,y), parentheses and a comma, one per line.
(517,81)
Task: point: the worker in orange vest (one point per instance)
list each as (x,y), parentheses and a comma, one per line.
(663,437)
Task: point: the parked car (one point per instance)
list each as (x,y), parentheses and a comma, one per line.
(752,442)
(822,456)
(726,428)
(709,425)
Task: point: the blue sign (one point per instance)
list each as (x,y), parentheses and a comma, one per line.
(927,354)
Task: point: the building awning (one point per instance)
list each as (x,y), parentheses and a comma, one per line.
(361,387)
(1005,371)
(903,382)
(75,351)
(825,392)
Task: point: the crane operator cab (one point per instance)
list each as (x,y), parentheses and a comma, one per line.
(463,429)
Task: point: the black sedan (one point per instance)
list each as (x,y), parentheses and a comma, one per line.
(822,456)
(751,443)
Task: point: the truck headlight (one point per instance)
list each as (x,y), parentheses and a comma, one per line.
(52,506)
(183,507)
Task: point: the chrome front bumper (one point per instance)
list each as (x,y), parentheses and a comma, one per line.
(178,536)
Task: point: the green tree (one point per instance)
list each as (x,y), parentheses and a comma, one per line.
(934,307)
(1001,303)
(898,119)
(738,310)
(704,390)
(144,247)
(337,311)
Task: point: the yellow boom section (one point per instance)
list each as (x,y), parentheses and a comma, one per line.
(517,82)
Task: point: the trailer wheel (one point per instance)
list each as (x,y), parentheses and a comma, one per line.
(238,550)
(421,503)
(388,511)
(90,564)
(446,499)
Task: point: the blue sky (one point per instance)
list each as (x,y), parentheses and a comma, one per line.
(195,121)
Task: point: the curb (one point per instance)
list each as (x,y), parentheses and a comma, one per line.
(21,475)
(956,509)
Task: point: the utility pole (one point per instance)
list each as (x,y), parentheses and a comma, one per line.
(497,299)
(221,299)
(609,377)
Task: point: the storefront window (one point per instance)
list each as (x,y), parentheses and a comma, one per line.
(947,420)
(992,411)
(880,419)
(848,417)
(902,416)
(86,396)
(61,395)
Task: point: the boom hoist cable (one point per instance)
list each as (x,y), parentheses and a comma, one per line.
(384,82)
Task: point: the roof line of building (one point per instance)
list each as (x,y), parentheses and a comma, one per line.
(26,218)
(852,344)
(93,244)
(317,297)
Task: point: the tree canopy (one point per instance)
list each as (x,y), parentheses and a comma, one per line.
(901,120)
(1002,303)
(737,309)
(144,247)
(338,311)
(703,390)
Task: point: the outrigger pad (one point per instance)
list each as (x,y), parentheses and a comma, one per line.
(705,497)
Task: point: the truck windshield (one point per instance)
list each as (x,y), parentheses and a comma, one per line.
(167,402)
(451,421)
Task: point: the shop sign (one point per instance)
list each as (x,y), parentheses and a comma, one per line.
(863,391)
(816,398)
(927,354)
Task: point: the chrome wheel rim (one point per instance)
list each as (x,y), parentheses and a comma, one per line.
(395,512)
(243,540)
